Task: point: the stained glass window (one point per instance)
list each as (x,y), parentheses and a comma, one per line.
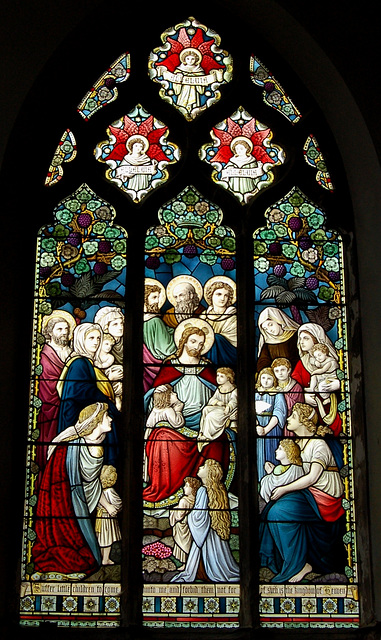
(105,89)
(314,157)
(201,332)
(273,93)
(65,152)
(243,155)
(137,153)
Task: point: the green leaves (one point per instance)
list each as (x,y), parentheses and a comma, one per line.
(288,292)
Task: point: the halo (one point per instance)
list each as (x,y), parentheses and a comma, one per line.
(157,283)
(180,279)
(240,140)
(200,324)
(65,315)
(223,279)
(137,138)
(190,50)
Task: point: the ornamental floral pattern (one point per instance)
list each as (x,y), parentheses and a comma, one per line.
(105,89)
(314,158)
(191,226)
(79,254)
(302,258)
(273,93)
(65,152)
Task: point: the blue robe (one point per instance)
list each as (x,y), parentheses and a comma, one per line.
(292,532)
(79,391)
(217,558)
(266,445)
(223,353)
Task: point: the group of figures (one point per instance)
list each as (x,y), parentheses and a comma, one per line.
(190,436)
(191,421)
(137,153)
(80,393)
(299,454)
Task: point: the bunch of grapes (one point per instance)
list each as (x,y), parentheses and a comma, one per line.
(190,251)
(227,264)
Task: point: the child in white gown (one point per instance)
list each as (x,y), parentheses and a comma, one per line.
(221,410)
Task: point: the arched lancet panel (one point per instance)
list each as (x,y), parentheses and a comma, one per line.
(190,550)
(71,528)
(308,561)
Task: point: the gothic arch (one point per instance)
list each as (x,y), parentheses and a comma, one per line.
(361,172)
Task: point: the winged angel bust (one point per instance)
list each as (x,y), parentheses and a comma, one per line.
(137,153)
(190,66)
(242,154)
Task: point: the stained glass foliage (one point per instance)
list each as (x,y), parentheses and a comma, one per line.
(273,94)
(308,574)
(190,545)
(72,538)
(137,153)
(65,152)
(105,89)
(314,157)
(190,66)
(242,155)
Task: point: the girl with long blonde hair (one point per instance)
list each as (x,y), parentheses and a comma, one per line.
(210,556)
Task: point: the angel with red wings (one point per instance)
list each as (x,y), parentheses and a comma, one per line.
(190,67)
(143,149)
(137,153)
(241,148)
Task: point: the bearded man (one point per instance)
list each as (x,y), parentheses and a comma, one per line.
(172,454)
(158,342)
(192,377)
(58,330)
(186,303)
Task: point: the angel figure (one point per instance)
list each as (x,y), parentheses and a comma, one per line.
(190,69)
(243,170)
(128,172)
(137,153)
(242,154)
(188,95)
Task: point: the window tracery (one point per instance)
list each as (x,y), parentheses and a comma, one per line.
(178,240)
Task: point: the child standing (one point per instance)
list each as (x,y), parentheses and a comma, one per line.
(166,408)
(271,411)
(291,389)
(106,527)
(178,519)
